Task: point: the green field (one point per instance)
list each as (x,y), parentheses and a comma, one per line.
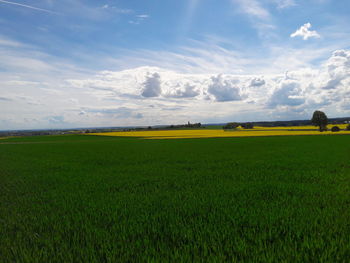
(109,199)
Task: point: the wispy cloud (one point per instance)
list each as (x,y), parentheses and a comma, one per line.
(138,19)
(252,8)
(143,16)
(259,16)
(281,4)
(9,42)
(118,10)
(29,6)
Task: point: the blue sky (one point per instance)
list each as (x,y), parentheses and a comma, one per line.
(114,63)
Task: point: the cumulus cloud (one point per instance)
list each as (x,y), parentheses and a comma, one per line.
(299,90)
(257,82)
(153,95)
(152,86)
(305,33)
(288,93)
(338,69)
(187,91)
(341,53)
(345,104)
(223,90)
(333,83)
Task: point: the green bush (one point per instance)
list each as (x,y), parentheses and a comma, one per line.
(230,125)
(335,129)
(247,125)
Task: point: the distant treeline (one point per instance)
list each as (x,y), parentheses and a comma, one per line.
(32,133)
(170,127)
(53,132)
(246,125)
(188,125)
(234,125)
(250,125)
(298,122)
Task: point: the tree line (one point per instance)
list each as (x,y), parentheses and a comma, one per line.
(319,119)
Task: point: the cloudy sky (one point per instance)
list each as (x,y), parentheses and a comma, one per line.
(75,63)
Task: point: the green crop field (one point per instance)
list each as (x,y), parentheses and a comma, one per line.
(108,199)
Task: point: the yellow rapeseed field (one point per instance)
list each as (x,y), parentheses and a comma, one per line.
(203,133)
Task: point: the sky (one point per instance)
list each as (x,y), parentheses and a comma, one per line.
(106,63)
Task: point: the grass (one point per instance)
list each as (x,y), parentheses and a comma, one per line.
(110,199)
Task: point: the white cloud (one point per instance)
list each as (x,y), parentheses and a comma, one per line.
(112,112)
(288,93)
(117,10)
(259,16)
(185,85)
(223,89)
(139,19)
(252,8)
(143,16)
(9,43)
(305,33)
(149,96)
(338,69)
(281,4)
(185,91)
(257,82)
(152,86)
(207,57)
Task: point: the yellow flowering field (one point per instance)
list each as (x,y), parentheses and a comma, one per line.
(203,133)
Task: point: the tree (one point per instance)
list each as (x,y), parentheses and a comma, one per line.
(335,129)
(230,125)
(319,118)
(247,125)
